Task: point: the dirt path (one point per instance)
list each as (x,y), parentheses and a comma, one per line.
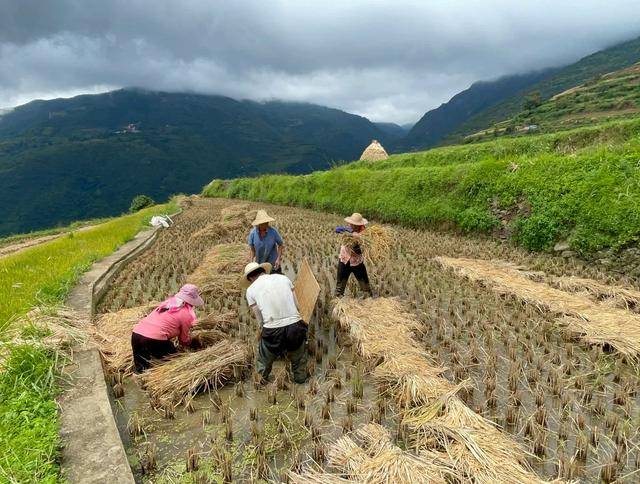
(28,243)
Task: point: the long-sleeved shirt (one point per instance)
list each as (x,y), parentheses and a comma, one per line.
(347,255)
(168,321)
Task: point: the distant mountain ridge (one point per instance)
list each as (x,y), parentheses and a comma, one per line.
(438,123)
(84,157)
(486,103)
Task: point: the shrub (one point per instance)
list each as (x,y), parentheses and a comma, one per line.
(139,202)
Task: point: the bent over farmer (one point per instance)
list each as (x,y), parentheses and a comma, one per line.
(274,304)
(173,318)
(265,243)
(351,260)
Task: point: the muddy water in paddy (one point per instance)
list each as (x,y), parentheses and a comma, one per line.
(572,405)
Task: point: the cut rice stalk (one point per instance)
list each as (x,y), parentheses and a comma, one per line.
(187,374)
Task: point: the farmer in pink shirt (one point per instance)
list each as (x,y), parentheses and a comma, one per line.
(151,337)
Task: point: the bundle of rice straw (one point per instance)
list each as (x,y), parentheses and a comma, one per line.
(370,456)
(113,335)
(235,211)
(202,338)
(218,320)
(596,323)
(213,231)
(219,271)
(622,296)
(375,242)
(59,327)
(383,332)
(189,373)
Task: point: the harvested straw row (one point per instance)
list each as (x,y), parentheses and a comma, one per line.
(186,374)
(215,230)
(594,322)
(218,320)
(376,243)
(60,327)
(217,274)
(618,295)
(429,400)
(113,335)
(370,456)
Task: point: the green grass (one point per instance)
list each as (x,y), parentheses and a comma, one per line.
(14,239)
(29,426)
(45,273)
(582,185)
(29,442)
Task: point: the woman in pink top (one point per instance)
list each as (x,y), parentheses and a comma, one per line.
(151,337)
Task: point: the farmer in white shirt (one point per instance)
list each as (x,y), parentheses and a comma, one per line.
(273,302)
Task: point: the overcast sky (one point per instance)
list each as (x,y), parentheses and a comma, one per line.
(387,60)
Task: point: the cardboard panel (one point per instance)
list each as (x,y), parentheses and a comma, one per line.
(307,291)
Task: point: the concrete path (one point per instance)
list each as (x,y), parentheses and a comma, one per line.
(93,451)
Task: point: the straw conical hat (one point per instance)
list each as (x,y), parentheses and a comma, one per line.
(374,152)
(356,219)
(262,218)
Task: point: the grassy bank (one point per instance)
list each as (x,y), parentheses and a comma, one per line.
(44,274)
(581,185)
(29,441)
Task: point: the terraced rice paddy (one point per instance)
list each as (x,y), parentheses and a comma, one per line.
(494,377)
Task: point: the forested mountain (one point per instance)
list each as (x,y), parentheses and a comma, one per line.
(84,157)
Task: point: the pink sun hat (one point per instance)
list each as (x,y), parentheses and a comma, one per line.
(189,293)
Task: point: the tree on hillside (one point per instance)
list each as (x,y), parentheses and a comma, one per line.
(139,202)
(532,101)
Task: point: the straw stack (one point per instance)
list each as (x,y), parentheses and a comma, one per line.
(374,152)
(376,243)
(187,374)
(217,274)
(113,334)
(594,322)
(382,331)
(212,231)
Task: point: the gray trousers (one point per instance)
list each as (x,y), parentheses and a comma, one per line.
(298,358)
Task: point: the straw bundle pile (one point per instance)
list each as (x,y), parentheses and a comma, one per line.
(113,334)
(383,333)
(369,456)
(376,243)
(186,374)
(60,327)
(235,216)
(621,296)
(215,230)
(596,323)
(374,152)
(480,451)
(218,273)
(218,321)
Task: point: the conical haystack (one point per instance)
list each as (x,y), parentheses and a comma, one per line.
(374,152)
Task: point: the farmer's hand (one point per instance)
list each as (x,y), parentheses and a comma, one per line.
(276,264)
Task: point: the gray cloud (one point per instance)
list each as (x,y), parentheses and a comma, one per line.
(388,61)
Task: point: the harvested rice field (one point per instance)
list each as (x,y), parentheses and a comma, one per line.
(478,362)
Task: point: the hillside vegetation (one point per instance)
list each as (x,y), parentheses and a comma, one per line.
(581,185)
(88,156)
(29,370)
(608,60)
(612,96)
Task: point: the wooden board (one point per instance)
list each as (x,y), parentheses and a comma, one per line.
(307,291)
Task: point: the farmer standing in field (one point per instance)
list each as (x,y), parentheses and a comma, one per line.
(272,300)
(265,243)
(173,318)
(351,260)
